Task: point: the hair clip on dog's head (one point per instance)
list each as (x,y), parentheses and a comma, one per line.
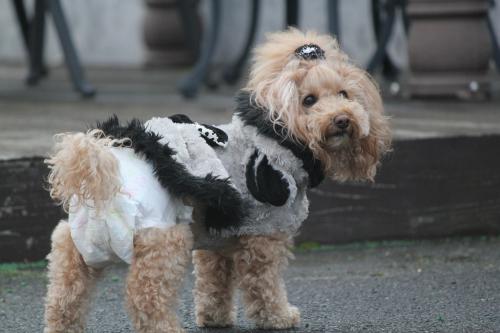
(310,52)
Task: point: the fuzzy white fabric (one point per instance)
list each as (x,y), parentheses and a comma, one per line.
(264,218)
(231,160)
(192,150)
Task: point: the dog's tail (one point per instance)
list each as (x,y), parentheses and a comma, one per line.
(83,169)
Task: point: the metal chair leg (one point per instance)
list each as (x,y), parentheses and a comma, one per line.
(292,13)
(389,70)
(383,40)
(233,73)
(37,69)
(334,18)
(22,20)
(494,44)
(190,84)
(190,23)
(404,14)
(70,55)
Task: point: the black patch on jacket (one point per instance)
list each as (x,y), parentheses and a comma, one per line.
(181,119)
(213,136)
(252,115)
(225,207)
(266,184)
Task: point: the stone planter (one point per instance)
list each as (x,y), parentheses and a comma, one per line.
(164,36)
(449,47)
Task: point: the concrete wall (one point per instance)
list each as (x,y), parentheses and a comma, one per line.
(109,32)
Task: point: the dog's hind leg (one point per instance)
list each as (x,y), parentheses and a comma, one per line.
(70,282)
(214,289)
(156,273)
(259,265)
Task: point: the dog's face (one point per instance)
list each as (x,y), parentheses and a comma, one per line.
(309,87)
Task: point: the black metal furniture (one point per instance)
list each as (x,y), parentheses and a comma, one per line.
(33,31)
(383,17)
(494,40)
(190,84)
(383,14)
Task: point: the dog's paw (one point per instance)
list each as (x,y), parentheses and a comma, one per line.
(288,318)
(216,319)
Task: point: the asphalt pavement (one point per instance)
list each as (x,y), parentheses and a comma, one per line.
(425,286)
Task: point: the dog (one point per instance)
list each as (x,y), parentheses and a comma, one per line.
(233,196)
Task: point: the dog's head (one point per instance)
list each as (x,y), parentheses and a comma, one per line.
(310,88)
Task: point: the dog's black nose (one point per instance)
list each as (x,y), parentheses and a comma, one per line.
(341,121)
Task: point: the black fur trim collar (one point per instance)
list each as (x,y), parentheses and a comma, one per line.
(225,207)
(252,115)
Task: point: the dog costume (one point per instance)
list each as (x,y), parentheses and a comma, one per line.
(143,202)
(268,172)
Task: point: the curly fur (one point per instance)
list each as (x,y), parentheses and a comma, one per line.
(279,81)
(156,274)
(82,168)
(214,289)
(255,267)
(258,266)
(70,283)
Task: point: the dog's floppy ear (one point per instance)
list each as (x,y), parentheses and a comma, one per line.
(362,163)
(279,95)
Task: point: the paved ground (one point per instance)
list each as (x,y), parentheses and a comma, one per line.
(431,286)
(30,116)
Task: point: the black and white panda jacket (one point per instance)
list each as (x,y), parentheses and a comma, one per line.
(268,175)
(271,172)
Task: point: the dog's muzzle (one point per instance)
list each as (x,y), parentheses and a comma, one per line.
(341,122)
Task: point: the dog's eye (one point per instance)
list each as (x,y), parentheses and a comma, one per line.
(309,100)
(343,93)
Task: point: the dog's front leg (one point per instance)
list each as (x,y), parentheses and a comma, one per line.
(259,264)
(156,274)
(70,282)
(214,289)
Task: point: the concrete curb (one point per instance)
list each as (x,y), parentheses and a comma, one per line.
(27,214)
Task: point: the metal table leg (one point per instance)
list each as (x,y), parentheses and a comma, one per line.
(494,44)
(334,18)
(36,43)
(292,13)
(233,73)
(22,20)
(70,55)
(384,36)
(190,84)
(389,70)
(190,23)
(406,20)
